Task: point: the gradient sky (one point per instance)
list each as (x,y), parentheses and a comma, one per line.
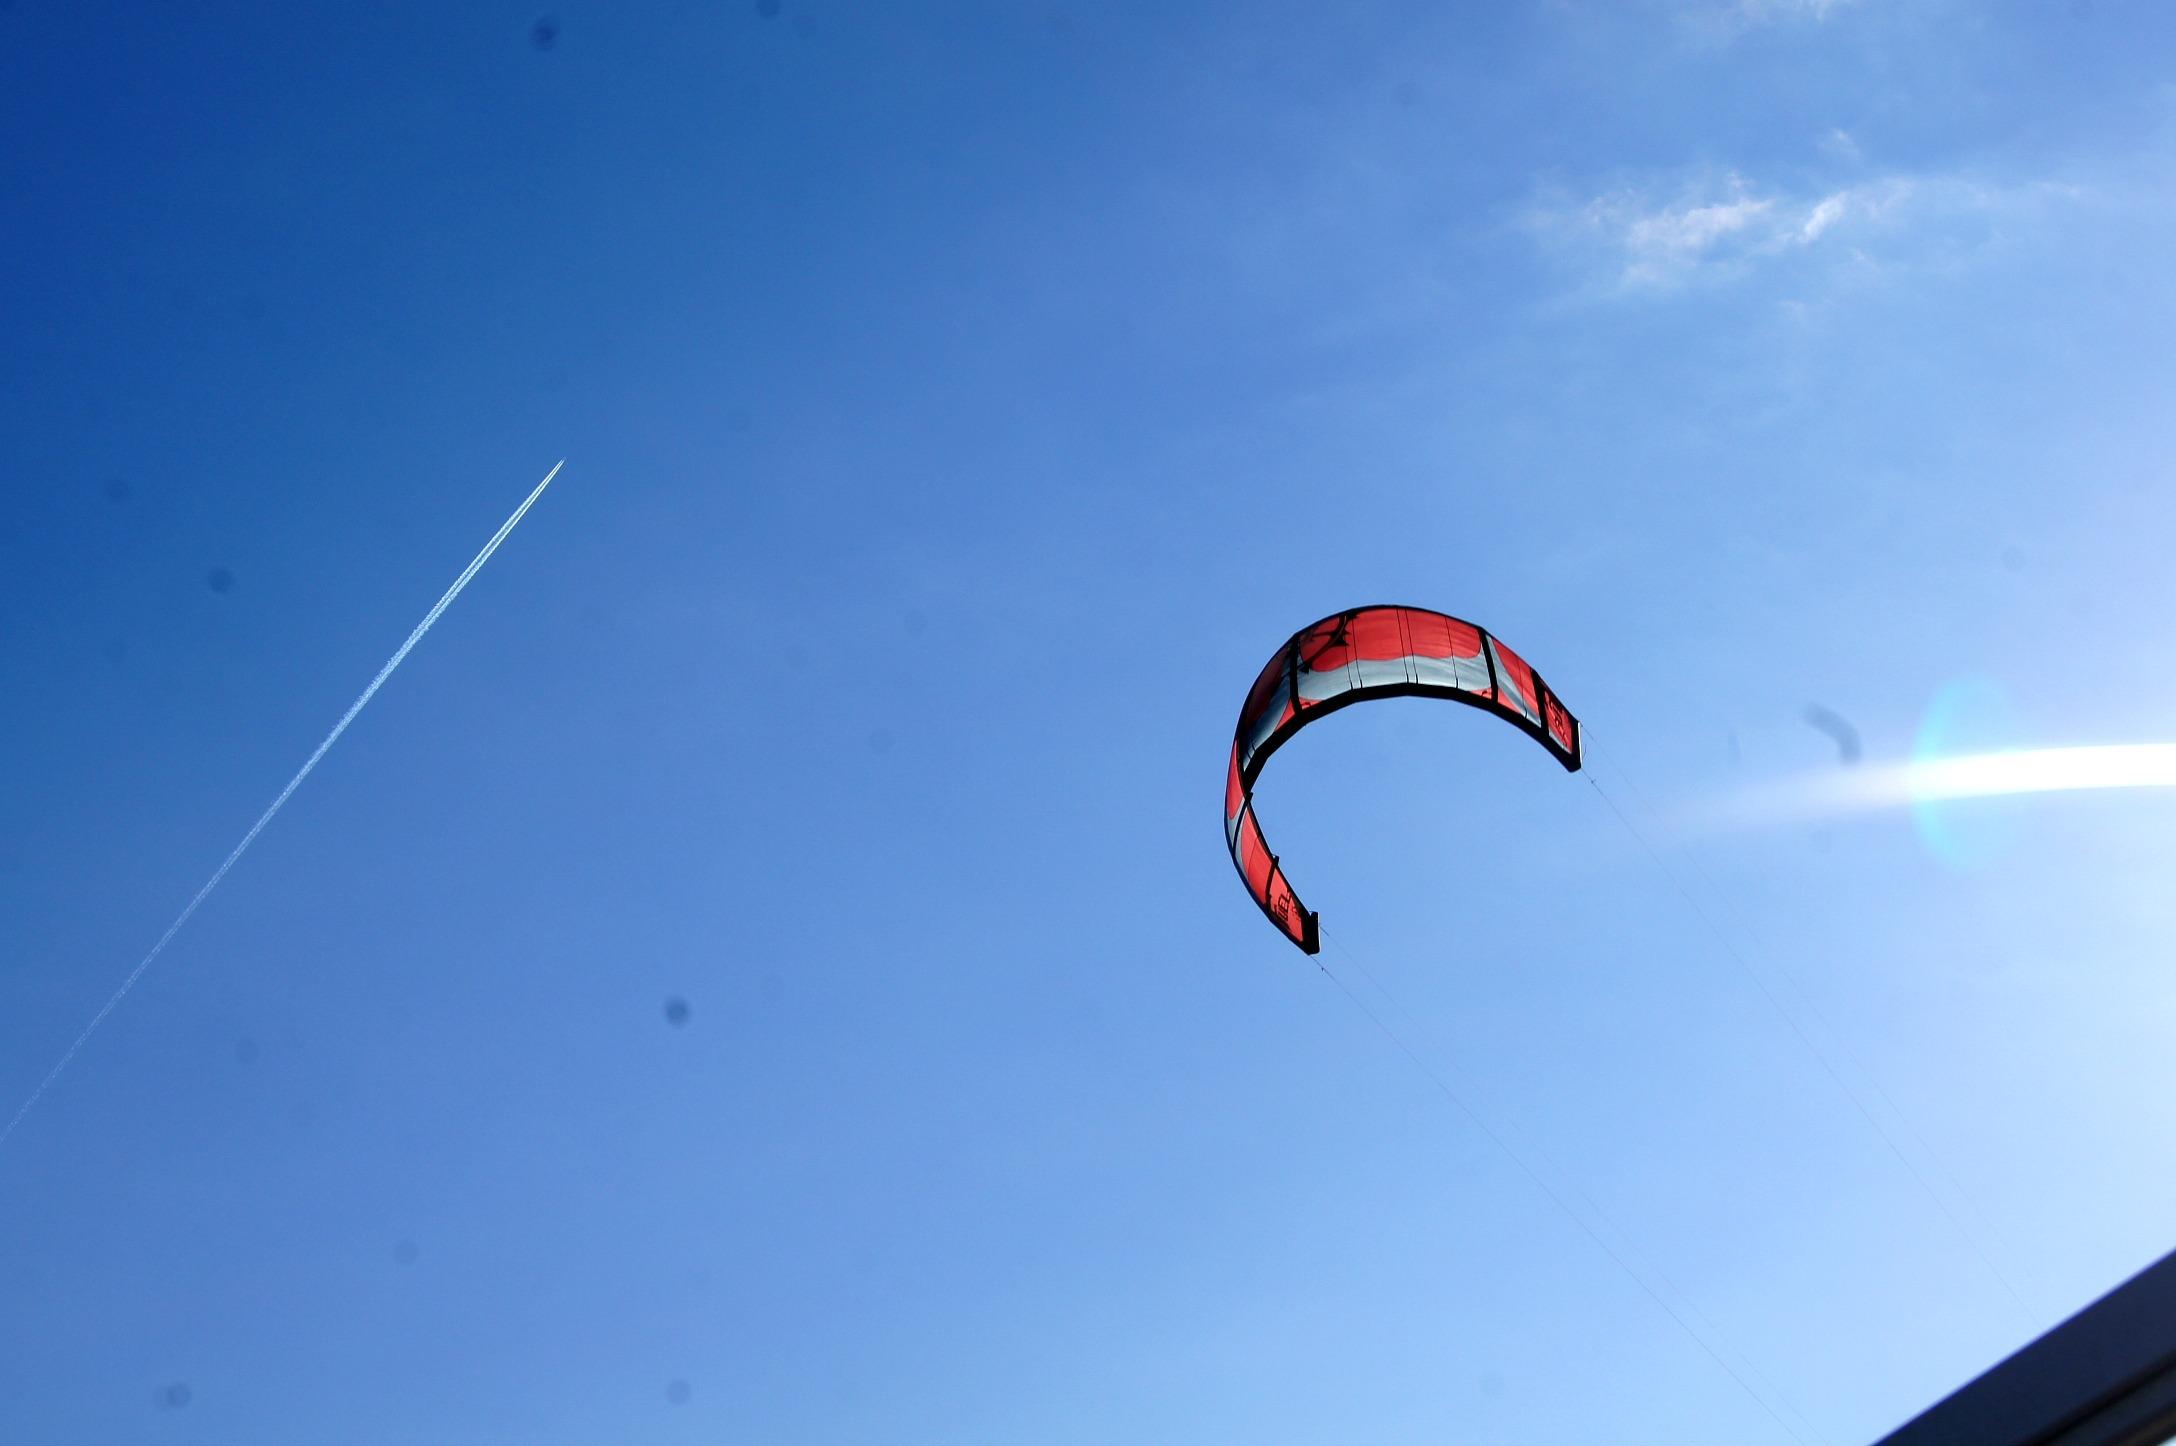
(960,403)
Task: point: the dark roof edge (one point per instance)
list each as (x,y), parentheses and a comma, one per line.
(2109,1349)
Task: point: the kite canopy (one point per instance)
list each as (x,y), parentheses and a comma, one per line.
(1350,657)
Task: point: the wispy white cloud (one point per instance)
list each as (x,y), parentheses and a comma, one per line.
(1790,9)
(1839,145)
(1657,237)
(1722,19)
(1825,213)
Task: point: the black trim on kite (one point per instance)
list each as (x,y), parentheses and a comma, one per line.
(1539,732)
(1310,922)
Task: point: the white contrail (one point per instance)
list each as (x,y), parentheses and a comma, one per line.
(445,601)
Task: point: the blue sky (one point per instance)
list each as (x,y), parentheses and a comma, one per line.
(960,403)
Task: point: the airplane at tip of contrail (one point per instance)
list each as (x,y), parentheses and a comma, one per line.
(415,635)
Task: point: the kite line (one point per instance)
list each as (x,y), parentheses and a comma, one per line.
(1594,1222)
(1972,1242)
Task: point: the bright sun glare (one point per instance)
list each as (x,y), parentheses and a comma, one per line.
(1932,780)
(2035,770)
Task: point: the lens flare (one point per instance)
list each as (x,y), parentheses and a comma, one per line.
(1928,782)
(2041,770)
(1972,716)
